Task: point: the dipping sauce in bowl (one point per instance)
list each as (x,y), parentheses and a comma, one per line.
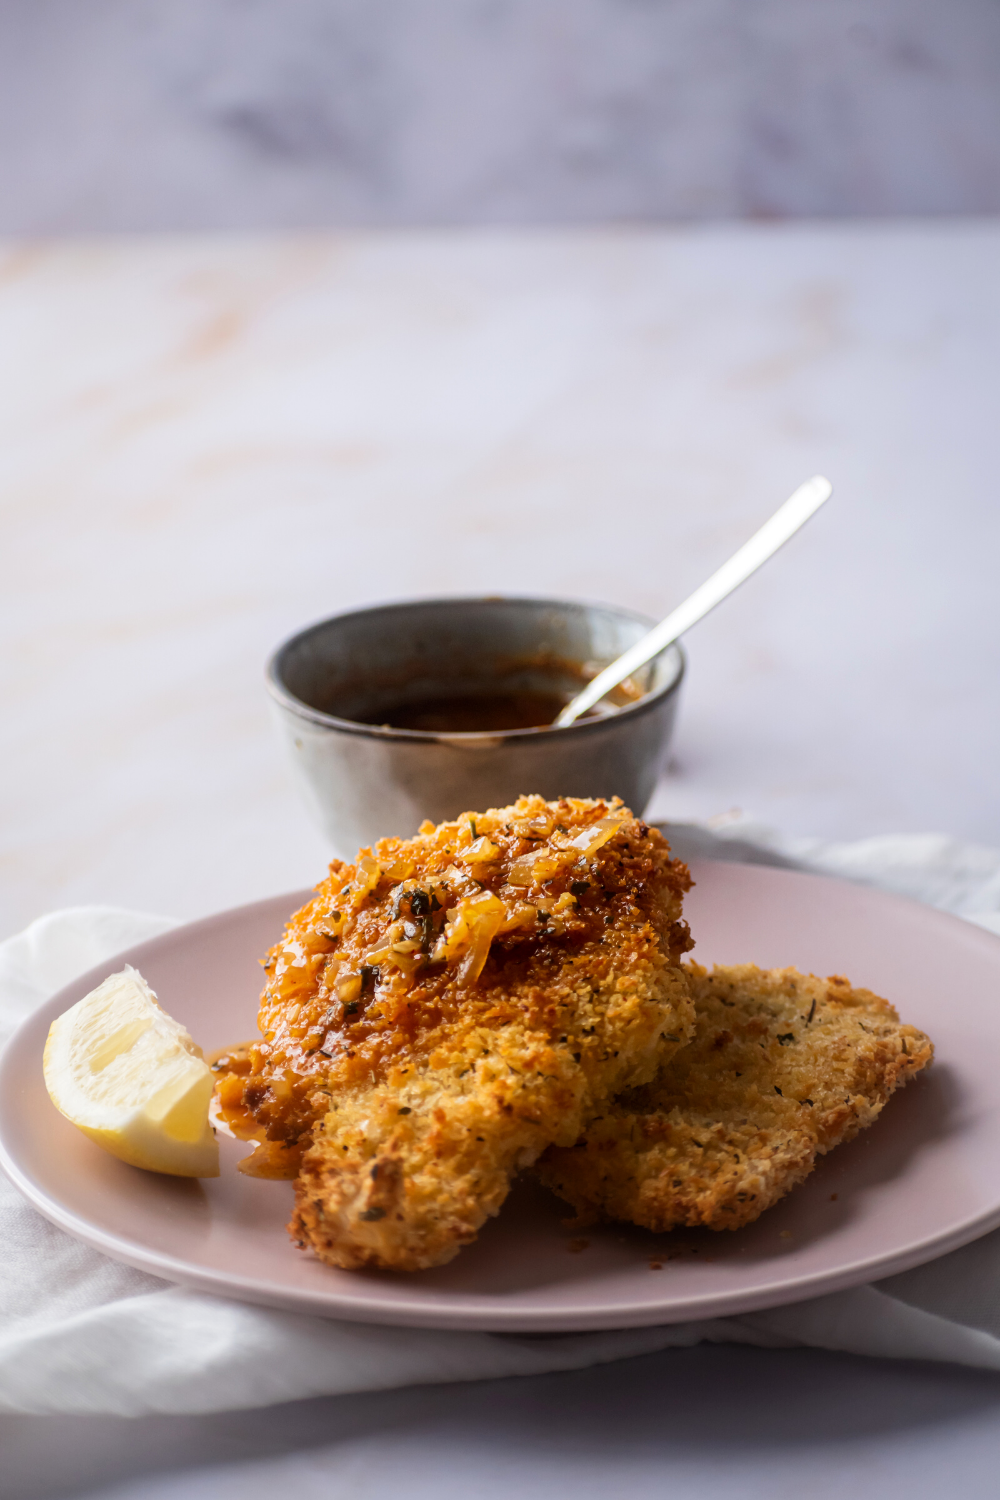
(497,710)
(469,713)
(418,710)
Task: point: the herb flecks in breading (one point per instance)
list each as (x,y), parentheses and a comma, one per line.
(738,1117)
(483,1008)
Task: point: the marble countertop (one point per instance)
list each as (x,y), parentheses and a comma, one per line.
(209,441)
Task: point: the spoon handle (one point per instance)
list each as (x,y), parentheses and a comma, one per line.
(763,544)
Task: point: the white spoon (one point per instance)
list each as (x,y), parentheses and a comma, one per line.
(763,544)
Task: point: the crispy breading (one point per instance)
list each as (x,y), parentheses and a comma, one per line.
(782,1067)
(451,1004)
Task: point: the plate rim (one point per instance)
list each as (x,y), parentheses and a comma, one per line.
(394,1310)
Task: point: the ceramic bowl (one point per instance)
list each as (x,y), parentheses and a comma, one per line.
(332,683)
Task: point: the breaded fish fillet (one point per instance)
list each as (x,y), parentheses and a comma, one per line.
(448,1006)
(782,1068)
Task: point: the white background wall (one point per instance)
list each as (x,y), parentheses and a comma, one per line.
(138,114)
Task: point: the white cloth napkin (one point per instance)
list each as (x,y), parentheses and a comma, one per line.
(80,1333)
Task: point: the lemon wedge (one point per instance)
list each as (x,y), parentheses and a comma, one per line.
(129,1076)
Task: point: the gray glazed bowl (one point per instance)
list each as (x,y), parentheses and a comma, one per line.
(363,781)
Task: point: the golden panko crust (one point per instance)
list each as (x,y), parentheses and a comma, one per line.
(782,1068)
(448,1006)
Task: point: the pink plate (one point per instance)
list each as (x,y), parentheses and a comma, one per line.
(923,1180)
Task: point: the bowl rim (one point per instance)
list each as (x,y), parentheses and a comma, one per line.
(285,698)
